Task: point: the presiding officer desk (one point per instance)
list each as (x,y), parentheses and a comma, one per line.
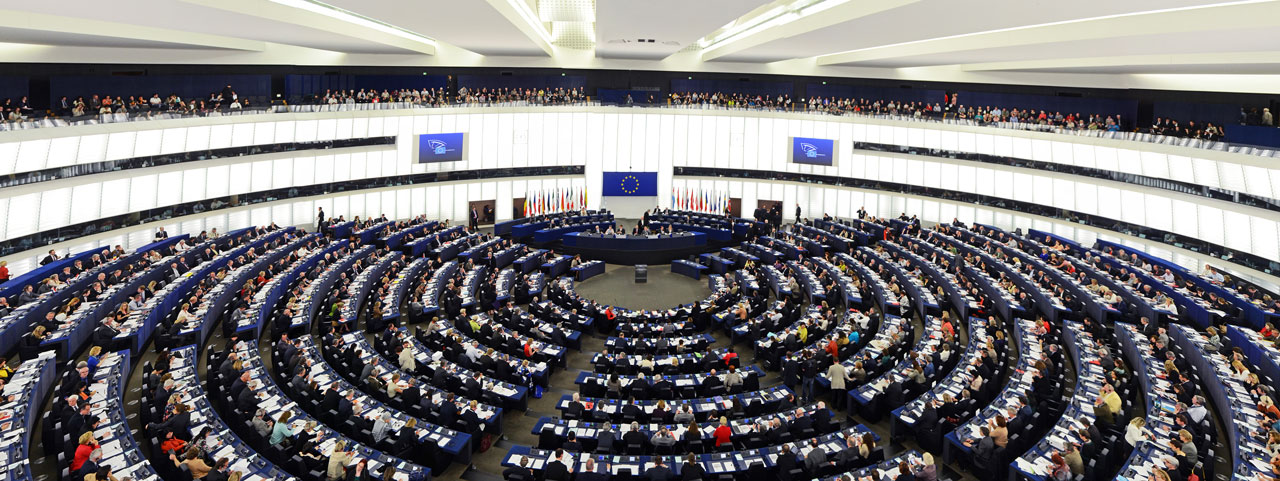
(678,240)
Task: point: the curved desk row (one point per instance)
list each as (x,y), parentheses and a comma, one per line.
(526,230)
(552,234)
(680,240)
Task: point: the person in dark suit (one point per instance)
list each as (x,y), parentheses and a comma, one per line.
(412,395)
(471,386)
(659,471)
(448,411)
(894,395)
(49,259)
(571,444)
(692,470)
(816,461)
(791,373)
(345,406)
(846,458)
(786,462)
(589,472)
(76,423)
(556,468)
(331,398)
(801,423)
(246,401)
(178,424)
(631,410)
(575,407)
(634,436)
(712,381)
(605,440)
(822,419)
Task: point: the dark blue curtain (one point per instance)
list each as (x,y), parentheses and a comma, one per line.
(619,96)
(1126,109)
(873,93)
(256,88)
(1183,112)
(13,88)
(771,89)
(1252,135)
(473,82)
(298,87)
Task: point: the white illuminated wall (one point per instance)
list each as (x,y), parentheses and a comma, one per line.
(438,201)
(612,139)
(817,200)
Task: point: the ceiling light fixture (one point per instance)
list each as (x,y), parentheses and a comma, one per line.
(530,17)
(821,58)
(779,15)
(356,19)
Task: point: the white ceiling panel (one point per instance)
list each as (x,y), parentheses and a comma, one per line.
(471,24)
(941,18)
(671,24)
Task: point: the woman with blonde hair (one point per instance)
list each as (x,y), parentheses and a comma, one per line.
(87,443)
(95,357)
(926,471)
(723,433)
(1239,372)
(1159,474)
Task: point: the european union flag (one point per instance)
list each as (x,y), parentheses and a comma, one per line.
(630,184)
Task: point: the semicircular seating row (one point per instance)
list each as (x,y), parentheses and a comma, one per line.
(869,327)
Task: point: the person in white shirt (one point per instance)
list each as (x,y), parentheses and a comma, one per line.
(1197,411)
(1136,432)
(407,361)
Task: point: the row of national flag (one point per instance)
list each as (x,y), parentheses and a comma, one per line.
(555,200)
(711,202)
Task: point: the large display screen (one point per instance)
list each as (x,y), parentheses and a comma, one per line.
(441,147)
(805,150)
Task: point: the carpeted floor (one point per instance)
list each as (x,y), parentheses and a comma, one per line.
(663,290)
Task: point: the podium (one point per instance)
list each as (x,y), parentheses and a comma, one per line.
(642,273)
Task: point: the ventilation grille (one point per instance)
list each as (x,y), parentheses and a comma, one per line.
(572,22)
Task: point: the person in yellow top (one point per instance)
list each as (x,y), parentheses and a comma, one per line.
(804,333)
(1108,405)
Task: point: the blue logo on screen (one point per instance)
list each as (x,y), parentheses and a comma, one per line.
(440,147)
(809,150)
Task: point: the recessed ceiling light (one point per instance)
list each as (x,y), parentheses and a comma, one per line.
(355,19)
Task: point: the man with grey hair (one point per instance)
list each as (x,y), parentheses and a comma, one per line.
(91,465)
(261,424)
(382,427)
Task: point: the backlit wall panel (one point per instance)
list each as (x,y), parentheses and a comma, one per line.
(635,140)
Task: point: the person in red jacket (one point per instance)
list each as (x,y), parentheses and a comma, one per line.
(723,433)
(87,444)
(729,357)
